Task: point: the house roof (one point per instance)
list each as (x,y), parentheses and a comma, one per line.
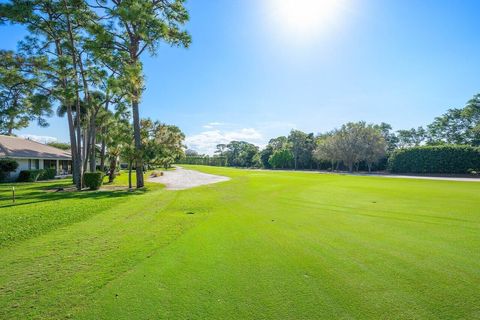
(14,147)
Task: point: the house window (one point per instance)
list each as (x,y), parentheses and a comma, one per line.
(50,164)
(33,164)
(65,166)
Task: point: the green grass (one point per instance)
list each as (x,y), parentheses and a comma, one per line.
(40,208)
(264,245)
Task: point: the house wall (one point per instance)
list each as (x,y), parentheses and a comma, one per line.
(22,165)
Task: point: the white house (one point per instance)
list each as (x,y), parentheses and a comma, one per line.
(32,155)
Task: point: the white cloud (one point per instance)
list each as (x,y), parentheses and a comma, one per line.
(206,141)
(216,123)
(41,139)
(212,125)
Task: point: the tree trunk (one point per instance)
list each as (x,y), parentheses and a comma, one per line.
(104,144)
(369,167)
(93,156)
(11,121)
(76,164)
(138,141)
(91,131)
(78,154)
(111,172)
(86,149)
(130,174)
(350,167)
(73,148)
(102,152)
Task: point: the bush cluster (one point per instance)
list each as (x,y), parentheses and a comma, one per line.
(7,166)
(29,175)
(48,174)
(435,159)
(36,175)
(93,180)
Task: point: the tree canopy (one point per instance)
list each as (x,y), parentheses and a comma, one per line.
(85,58)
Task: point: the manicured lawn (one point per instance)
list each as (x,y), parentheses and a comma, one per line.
(40,207)
(264,245)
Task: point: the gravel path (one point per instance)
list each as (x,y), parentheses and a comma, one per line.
(180,179)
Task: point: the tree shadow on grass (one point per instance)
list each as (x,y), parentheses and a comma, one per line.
(43,193)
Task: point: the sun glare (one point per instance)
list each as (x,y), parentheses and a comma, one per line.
(306,19)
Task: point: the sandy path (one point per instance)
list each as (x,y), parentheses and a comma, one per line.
(181,178)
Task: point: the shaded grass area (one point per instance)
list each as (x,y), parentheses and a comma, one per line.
(264,245)
(121,179)
(40,207)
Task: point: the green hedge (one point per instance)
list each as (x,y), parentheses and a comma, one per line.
(218,161)
(48,174)
(93,180)
(435,159)
(30,175)
(36,175)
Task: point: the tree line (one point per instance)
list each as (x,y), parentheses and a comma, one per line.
(83,58)
(353,146)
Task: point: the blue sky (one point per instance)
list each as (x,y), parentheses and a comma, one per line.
(258,68)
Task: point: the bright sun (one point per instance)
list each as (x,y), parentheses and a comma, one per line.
(306,19)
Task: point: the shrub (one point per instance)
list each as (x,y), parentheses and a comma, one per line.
(36,175)
(435,159)
(48,174)
(93,180)
(7,166)
(30,175)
